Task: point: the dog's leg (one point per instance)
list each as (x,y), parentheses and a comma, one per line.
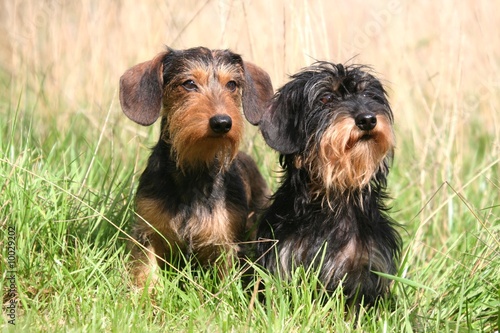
(147,259)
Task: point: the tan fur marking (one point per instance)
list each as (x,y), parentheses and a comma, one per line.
(346,161)
(162,242)
(204,234)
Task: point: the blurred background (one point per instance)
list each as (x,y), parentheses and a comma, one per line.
(433,55)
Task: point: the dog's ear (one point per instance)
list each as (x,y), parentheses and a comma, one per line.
(281,124)
(257,92)
(141,90)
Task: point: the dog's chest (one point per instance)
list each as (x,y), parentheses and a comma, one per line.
(350,244)
(194,216)
(201,223)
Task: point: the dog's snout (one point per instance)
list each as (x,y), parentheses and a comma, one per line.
(221,123)
(366,121)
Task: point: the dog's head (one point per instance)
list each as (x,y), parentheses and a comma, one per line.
(201,94)
(336,122)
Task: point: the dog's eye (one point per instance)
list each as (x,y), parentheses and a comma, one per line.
(327,98)
(231,86)
(189,85)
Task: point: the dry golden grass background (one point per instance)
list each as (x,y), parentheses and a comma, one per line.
(439,60)
(433,55)
(442,54)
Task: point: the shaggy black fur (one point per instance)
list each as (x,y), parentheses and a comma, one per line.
(344,231)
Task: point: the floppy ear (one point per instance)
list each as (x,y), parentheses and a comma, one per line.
(281,124)
(141,90)
(257,92)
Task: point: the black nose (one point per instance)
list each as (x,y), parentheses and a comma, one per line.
(220,123)
(366,121)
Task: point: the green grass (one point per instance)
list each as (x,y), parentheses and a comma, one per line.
(68,195)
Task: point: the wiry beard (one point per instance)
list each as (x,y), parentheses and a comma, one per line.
(346,159)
